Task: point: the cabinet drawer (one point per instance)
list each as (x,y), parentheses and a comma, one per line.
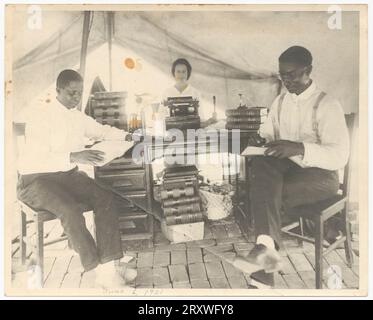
(121,164)
(124,181)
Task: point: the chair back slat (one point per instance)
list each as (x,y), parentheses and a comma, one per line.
(350,122)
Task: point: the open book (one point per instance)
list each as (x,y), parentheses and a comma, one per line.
(112,149)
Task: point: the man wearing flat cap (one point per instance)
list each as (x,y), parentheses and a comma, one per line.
(307,143)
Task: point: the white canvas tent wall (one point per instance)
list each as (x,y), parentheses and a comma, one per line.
(231,52)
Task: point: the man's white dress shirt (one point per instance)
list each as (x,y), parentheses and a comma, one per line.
(52,132)
(332,152)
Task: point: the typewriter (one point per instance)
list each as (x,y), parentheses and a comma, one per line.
(183,113)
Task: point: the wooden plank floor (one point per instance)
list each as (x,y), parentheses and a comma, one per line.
(191,264)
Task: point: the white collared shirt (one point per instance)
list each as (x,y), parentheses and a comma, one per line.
(296,125)
(52,132)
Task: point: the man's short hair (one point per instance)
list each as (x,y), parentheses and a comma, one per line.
(184,62)
(298,55)
(66,76)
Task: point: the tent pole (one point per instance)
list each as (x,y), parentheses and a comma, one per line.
(83,52)
(110,43)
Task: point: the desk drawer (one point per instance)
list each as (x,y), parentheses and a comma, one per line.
(121,164)
(125,181)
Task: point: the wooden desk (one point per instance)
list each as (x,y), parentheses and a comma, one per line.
(135,181)
(222,142)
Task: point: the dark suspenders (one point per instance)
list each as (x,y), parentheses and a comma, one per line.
(276,126)
(315,125)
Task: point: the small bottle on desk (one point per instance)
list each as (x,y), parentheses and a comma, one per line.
(214,114)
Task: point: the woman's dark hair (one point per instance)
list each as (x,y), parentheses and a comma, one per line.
(66,76)
(185,62)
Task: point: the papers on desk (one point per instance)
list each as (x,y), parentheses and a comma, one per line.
(112,149)
(253,151)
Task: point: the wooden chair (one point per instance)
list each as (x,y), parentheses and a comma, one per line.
(29,215)
(321,212)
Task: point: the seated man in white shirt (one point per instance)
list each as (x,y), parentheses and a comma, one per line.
(307,140)
(56,134)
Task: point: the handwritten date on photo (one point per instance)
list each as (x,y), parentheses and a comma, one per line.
(192,309)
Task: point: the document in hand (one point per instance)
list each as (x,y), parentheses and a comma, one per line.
(112,149)
(253,151)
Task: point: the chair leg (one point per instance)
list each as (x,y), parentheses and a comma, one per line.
(347,244)
(301,231)
(40,246)
(22,237)
(319,239)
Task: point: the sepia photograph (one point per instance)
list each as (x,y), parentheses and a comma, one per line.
(186,150)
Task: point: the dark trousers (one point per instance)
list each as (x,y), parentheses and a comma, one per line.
(277,185)
(67,195)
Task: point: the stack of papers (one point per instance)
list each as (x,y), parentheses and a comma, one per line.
(112,149)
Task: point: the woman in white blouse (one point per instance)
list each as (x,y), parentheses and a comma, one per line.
(182,70)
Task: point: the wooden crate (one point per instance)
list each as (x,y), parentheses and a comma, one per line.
(183,232)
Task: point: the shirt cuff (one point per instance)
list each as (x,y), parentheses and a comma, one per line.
(309,154)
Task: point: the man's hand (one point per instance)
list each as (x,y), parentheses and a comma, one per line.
(284,149)
(92,157)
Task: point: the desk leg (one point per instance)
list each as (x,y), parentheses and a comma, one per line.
(248,213)
(243,213)
(149,199)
